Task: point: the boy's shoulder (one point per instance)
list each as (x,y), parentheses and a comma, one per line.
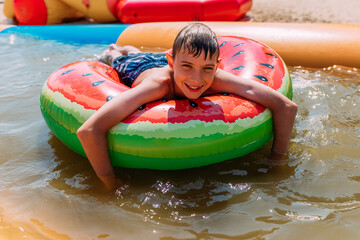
(158,75)
(161,73)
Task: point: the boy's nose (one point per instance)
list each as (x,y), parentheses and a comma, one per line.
(196,78)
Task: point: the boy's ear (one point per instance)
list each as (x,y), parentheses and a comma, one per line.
(219,63)
(170,60)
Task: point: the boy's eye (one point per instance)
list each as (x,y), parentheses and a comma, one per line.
(187,66)
(208,68)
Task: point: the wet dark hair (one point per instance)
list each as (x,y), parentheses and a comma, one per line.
(195,38)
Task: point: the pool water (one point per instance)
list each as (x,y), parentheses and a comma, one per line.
(49,192)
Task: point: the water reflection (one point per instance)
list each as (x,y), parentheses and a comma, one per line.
(72,172)
(171,197)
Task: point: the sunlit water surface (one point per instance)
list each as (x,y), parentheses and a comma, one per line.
(49,192)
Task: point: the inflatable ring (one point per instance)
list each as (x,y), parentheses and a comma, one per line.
(174,134)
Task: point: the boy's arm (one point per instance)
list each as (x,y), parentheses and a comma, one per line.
(283,109)
(92,134)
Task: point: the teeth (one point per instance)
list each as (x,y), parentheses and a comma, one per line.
(192,87)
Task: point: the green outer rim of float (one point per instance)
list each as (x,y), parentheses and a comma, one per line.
(175,157)
(159,153)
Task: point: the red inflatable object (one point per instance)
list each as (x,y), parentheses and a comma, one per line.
(30,12)
(136,11)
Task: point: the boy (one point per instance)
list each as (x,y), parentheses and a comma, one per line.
(190,71)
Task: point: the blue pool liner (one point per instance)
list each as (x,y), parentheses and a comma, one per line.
(85,33)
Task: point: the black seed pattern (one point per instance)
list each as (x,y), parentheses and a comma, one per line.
(238,68)
(238,53)
(142,107)
(109,98)
(222,44)
(87,74)
(66,72)
(224,94)
(240,44)
(262,78)
(97,83)
(165,100)
(193,104)
(267,65)
(270,54)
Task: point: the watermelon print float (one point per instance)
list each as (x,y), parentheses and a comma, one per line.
(174,134)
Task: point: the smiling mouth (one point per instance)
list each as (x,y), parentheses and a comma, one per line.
(193,88)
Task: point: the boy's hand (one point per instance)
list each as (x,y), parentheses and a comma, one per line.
(111,183)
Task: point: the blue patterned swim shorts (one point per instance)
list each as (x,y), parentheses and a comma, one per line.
(130,66)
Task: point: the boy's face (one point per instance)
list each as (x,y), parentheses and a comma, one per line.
(193,75)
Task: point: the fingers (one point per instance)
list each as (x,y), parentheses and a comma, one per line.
(113,47)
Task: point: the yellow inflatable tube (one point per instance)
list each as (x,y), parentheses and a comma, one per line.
(57,12)
(299,44)
(99,10)
(8,9)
